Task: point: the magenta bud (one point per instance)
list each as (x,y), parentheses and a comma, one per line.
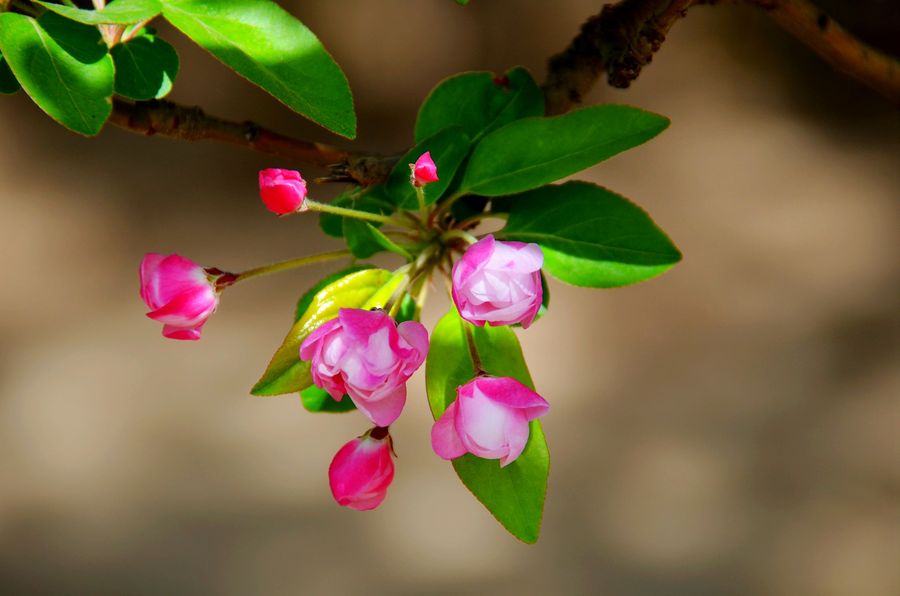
(424,171)
(362,471)
(179,293)
(282,191)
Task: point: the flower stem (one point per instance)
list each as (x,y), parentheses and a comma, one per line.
(471,221)
(420,195)
(292,264)
(451,234)
(473,349)
(355,214)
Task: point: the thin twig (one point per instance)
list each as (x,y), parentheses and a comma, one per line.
(168,119)
(623,37)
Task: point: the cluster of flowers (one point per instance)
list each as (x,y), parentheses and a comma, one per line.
(366,356)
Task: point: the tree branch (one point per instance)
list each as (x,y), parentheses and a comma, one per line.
(622,39)
(168,119)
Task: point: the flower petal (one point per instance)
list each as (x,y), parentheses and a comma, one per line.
(444,439)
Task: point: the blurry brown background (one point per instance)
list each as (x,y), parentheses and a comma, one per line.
(729,428)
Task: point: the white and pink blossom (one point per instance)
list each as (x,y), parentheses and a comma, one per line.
(498,282)
(489,419)
(368,356)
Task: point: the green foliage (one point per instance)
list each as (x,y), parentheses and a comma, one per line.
(532,152)
(307,298)
(268,46)
(590,236)
(365,240)
(514,494)
(479,102)
(372,200)
(119,12)
(368,288)
(8,82)
(448,148)
(62,65)
(146,66)
(319,400)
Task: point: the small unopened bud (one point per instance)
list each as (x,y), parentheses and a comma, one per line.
(423,171)
(282,191)
(362,470)
(180,294)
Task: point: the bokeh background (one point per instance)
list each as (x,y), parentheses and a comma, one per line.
(732,427)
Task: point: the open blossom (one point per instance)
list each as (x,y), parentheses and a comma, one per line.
(283,191)
(424,171)
(365,354)
(489,419)
(362,471)
(498,282)
(179,293)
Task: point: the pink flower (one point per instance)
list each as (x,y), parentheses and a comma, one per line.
(365,354)
(498,282)
(283,191)
(179,293)
(423,171)
(489,419)
(362,471)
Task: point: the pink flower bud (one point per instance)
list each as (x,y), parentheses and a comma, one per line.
(489,419)
(498,282)
(179,293)
(283,191)
(423,171)
(365,354)
(362,471)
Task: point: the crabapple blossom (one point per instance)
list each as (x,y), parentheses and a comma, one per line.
(498,282)
(489,419)
(368,356)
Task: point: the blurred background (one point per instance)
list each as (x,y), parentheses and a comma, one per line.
(728,428)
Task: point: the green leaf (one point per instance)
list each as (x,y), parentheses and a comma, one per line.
(407,311)
(468,206)
(146,67)
(286,373)
(62,65)
(590,236)
(268,46)
(514,494)
(119,12)
(319,400)
(307,298)
(365,240)
(479,102)
(8,82)
(532,152)
(448,148)
(372,200)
